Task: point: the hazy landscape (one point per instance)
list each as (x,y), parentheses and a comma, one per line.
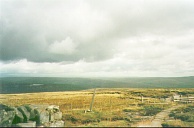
(97,63)
(53,84)
(117,102)
(112,106)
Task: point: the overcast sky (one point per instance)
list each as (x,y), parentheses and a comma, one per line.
(86,38)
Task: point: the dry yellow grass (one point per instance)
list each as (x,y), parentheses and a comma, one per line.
(104,99)
(110,102)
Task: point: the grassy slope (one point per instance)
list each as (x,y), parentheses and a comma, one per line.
(108,108)
(112,107)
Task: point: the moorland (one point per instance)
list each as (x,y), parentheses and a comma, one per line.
(118,101)
(112,106)
(54,84)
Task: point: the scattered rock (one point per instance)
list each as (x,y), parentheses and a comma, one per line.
(24,112)
(5,107)
(31,116)
(6,118)
(18,116)
(43,117)
(53,108)
(57,115)
(57,124)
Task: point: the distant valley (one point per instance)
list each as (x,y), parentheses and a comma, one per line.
(10,85)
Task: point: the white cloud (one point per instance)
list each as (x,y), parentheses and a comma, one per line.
(118,66)
(66,46)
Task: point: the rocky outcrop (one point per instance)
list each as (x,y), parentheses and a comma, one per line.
(6,118)
(31,116)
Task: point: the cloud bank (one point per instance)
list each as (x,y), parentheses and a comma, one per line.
(96,38)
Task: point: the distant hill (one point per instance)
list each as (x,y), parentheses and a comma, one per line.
(53,84)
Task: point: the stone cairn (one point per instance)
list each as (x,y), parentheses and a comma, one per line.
(31,116)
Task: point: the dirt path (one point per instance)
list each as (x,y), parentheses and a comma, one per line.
(158,119)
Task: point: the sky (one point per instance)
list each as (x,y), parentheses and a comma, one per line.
(97,38)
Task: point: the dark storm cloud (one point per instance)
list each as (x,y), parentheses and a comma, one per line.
(29,27)
(97,37)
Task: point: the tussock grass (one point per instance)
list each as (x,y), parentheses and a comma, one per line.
(112,107)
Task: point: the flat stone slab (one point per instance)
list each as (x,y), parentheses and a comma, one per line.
(28,124)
